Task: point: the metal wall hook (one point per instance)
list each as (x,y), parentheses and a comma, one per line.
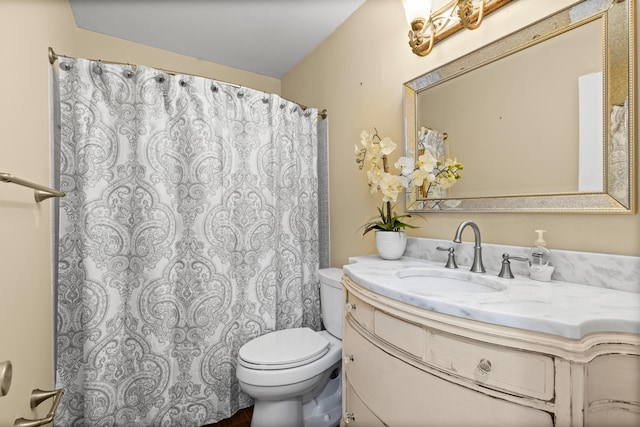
(52,56)
(6,373)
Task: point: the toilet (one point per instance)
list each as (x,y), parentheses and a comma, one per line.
(294,375)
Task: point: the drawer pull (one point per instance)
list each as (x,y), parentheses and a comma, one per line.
(484,366)
(349,417)
(348,358)
(349,307)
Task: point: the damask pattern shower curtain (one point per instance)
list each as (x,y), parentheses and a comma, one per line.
(189,227)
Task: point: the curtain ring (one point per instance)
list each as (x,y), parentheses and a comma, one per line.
(183,83)
(240,95)
(265,100)
(160,78)
(214,88)
(65,66)
(128,73)
(97,68)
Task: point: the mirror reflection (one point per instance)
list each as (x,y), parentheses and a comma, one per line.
(535,118)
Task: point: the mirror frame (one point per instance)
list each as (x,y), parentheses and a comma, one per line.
(619,190)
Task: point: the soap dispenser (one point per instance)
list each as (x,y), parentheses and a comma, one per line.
(540,266)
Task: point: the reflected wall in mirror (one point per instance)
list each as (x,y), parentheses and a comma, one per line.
(542,119)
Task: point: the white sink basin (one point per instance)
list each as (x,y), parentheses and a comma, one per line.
(429,281)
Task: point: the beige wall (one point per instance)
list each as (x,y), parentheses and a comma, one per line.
(27,29)
(357,75)
(98,46)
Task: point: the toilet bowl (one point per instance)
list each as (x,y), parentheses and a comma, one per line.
(294,375)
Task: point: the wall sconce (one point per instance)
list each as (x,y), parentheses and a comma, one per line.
(455,15)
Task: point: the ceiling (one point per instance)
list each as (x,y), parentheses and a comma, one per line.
(267,37)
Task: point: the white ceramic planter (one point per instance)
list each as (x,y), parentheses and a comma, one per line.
(391,244)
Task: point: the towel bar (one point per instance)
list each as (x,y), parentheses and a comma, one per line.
(40,192)
(37,397)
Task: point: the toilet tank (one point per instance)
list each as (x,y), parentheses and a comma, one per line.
(331,300)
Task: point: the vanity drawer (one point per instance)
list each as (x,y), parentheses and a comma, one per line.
(527,374)
(400,394)
(408,337)
(360,311)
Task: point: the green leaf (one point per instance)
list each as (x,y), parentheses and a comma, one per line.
(386,222)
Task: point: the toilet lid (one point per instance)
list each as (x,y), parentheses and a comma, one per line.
(287,348)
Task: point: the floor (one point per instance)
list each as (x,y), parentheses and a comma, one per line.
(242,418)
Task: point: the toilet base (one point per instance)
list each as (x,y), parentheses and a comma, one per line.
(323,410)
(270,414)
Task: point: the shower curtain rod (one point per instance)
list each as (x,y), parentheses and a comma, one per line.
(54,56)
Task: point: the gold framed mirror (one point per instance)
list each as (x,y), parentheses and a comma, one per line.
(543,120)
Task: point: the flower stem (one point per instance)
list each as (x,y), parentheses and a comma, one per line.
(385,168)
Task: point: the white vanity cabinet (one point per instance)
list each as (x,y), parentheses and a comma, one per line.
(407,366)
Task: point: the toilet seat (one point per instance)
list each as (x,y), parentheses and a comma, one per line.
(287,348)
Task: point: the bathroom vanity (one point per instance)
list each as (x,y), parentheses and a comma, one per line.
(517,354)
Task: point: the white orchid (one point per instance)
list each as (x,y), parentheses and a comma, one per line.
(427,162)
(366,139)
(387,146)
(426,170)
(418,177)
(392,185)
(374,154)
(405,165)
(374,177)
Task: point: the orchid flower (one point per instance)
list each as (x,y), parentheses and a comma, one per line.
(427,171)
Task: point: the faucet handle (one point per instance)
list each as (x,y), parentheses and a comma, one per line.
(505,271)
(451,259)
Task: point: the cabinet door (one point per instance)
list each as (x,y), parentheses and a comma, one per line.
(403,395)
(612,399)
(356,412)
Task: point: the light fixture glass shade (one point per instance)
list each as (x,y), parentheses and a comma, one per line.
(416,9)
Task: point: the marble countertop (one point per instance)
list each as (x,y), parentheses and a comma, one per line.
(560,308)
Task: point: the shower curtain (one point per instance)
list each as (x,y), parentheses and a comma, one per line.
(190,226)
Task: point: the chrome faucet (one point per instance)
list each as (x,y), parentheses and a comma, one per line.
(477,266)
